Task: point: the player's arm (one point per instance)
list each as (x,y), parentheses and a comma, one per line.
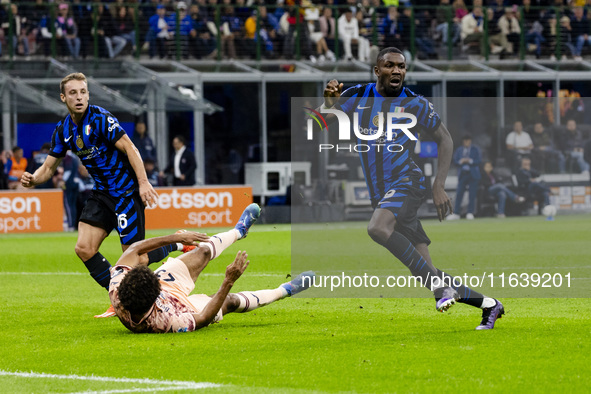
(445,148)
(43,173)
(332,93)
(131,256)
(233,272)
(147,192)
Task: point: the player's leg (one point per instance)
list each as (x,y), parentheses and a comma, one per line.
(131,226)
(197,259)
(446,296)
(89,240)
(247,301)
(381,229)
(96,222)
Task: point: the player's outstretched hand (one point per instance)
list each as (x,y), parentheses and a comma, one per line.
(237,268)
(27,179)
(442,202)
(332,92)
(148,194)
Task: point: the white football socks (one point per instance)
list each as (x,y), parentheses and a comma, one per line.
(219,242)
(488,302)
(251,300)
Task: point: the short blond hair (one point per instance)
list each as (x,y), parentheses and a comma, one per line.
(72,77)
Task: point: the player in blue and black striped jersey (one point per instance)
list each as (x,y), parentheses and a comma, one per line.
(121,188)
(396,184)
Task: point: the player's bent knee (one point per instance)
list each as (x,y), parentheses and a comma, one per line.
(379,233)
(202,250)
(85,253)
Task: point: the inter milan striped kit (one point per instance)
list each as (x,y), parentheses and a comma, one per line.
(394,181)
(115,197)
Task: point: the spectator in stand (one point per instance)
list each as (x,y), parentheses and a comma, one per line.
(467,157)
(573,144)
(472,29)
(231,29)
(528,180)
(124,31)
(315,34)
(20,40)
(443,16)
(497,40)
(565,34)
(268,25)
(290,28)
(15,167)
(327,28)
(143,142)
(349,34)
(67,27)
(105,29)
(185,29)
(203,44)
(580,31)
(422,21)
(497,190)
(392,29)
(509,26)
(544,151)
(518,143)
(460,10)
(159,33)
(533,27)
(498,8)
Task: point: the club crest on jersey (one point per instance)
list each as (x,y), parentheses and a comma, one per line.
(79,142)
(376,120)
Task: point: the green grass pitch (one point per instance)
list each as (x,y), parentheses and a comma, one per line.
(49,336)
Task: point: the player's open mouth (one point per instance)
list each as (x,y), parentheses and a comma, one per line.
(79,106)
(395,81)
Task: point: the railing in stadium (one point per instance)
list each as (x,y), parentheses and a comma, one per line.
(217,31)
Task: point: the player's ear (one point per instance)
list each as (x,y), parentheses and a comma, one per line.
(63,97)
(376,71)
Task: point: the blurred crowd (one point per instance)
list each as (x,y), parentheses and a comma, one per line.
(320,31)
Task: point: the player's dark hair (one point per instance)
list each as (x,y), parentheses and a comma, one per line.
(181,139)
(467,137)
(138,290)
(385,51)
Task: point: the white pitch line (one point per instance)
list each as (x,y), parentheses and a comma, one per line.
(171,384)
(138,390)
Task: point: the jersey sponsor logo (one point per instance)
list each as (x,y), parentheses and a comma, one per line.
(112,127)
(89,153)
(110,120)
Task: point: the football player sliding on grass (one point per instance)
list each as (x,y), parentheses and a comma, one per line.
(159,301)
